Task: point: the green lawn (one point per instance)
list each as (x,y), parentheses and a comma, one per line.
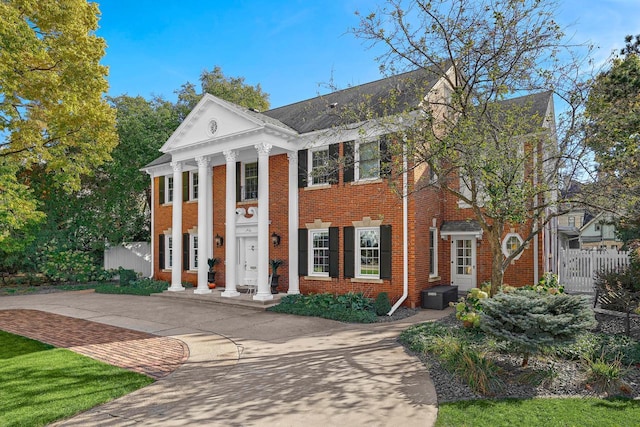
(540,412)
(40,384)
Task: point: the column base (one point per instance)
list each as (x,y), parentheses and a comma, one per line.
(230,294)
(263,297)
(202,291)
(176,288)
(293,292)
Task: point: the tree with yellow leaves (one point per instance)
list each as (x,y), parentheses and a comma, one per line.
(53,114)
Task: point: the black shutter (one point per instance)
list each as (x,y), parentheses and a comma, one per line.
(334,156)
(238,181)
(349,161)
(334,245)
(385,157)
(185,186)
(303,251)
(349,250)
(161,188)
(303,172)
(385,252)
(161,253)
(185,251)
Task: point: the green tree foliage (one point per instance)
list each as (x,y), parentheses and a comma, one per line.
(531,321)
(232,89)
(52,111)
(613,132)
(471,131)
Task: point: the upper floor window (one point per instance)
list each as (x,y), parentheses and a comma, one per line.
(169,187)
(572,221)
(319,166)
(367,160)
(193,185)
(250,181)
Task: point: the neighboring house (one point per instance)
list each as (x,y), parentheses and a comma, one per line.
(580,229)
(246,187)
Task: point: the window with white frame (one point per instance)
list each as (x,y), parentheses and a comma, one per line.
(193,251)
(168,253)
(319,252)
(318,166)
(169,189)
(368,252)
(510,245)
(193,185)
(367,160)
(572,221)
(433,252)
(250,181)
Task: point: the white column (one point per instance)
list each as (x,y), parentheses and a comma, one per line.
(264,289)
(294,287)
(204,229)
(209,189)
(176,227)
(230,227)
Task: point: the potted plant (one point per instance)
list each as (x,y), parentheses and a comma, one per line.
(211,276)
(275,263)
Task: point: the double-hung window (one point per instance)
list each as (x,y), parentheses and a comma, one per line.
(319,252)
(433,252)
(319,166)
(169,187)
(193,186)
(368,252)
(250,180)
(193,251)
(367,160)
(169,251)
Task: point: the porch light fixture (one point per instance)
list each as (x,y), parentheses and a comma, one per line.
(219,240)
(275,239)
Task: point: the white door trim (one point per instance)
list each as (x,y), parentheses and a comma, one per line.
(463,260)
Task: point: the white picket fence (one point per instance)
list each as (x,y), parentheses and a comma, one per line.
(578,267)
(134,256)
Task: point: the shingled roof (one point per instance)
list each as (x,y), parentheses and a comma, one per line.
(384,97)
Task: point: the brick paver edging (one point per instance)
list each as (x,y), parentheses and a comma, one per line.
(137,351)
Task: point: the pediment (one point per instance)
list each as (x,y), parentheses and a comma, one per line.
(210,120)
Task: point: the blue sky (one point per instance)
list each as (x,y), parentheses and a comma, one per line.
(293,48)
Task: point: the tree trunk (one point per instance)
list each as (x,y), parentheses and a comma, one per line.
(497,259)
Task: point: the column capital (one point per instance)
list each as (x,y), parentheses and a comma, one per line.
(176,166)
(263,148)
(203,161)
(293,157)
(230,155)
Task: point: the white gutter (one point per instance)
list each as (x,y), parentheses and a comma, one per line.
(405,234)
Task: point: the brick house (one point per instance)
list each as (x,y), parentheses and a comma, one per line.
(247,186)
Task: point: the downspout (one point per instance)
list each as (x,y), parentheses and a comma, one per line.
(405,234)
(152,226)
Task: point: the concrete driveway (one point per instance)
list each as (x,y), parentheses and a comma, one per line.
(254,368)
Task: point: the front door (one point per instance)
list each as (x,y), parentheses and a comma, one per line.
(463,262)
(247,260)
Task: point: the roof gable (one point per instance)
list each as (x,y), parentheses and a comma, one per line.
(214,118)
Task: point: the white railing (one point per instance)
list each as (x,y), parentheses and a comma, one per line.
(578,267)
(134,256)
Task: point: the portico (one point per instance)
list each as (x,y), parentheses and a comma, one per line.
(215,134)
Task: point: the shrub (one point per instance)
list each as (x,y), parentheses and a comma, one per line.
(531,321)
(350,307)
(605,376)
(468,309)
(73,266)
(126,276)
(144,286)
(382,305)
(619,290)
